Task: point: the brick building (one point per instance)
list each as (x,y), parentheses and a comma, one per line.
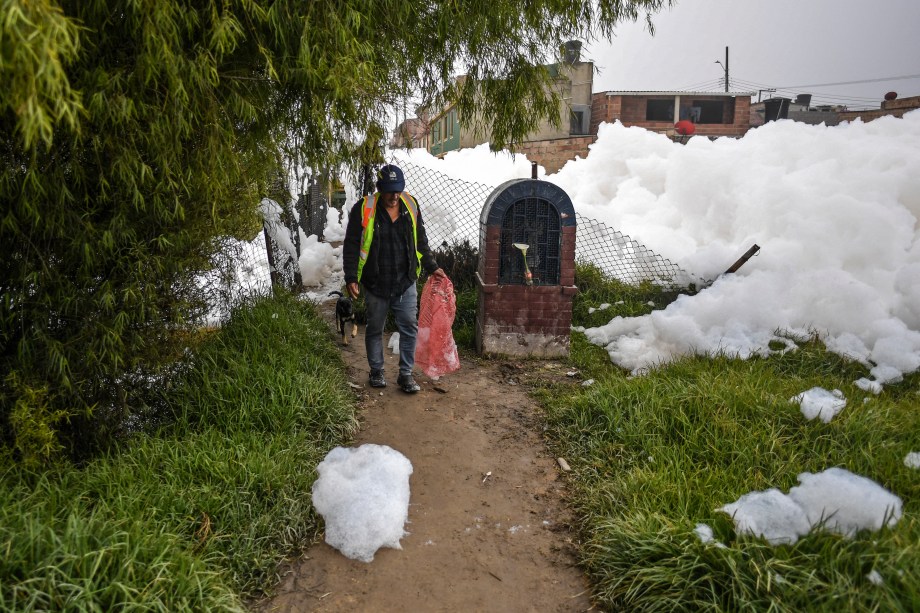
(552,154)
(896,108)
(713,113)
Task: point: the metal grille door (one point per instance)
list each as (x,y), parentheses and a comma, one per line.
(531,229)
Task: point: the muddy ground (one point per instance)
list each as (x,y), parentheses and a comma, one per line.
(488,527)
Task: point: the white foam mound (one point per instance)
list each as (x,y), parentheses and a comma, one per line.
(836,499)
(363,495)
(769,514)
(845,502)
(818,402)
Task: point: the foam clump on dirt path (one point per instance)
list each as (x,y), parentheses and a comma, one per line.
(363,495)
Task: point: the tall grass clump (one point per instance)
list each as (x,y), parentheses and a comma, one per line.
(197,514)
(655,455)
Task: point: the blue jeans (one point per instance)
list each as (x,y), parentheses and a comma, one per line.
(405,311)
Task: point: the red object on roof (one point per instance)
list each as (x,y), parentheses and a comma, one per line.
(891,95)
(685,127)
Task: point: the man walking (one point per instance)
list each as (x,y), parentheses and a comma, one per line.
(385,250)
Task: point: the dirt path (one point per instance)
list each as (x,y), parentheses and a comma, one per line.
(488,527)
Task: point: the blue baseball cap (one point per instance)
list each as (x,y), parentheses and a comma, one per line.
(390,179)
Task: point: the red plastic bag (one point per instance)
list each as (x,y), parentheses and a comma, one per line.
(435,349)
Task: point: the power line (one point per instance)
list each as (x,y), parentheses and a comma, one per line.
(898,78)
(793,88)
(703,85)
(829,98)
(835,97)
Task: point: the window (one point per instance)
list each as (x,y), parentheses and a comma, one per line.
(659,110)
(580,119)
(711,111)
(575,122)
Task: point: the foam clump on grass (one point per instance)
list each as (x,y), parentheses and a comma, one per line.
(770,514)
(845,502)
(363,495)
(912,459)
(818,402)
(836,499)
(868,385)
(706,536)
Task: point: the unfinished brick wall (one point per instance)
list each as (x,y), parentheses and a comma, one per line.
(553,154)
(896,108)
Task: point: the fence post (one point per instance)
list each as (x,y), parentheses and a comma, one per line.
(273,271)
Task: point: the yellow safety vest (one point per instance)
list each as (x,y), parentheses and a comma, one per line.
(369,205)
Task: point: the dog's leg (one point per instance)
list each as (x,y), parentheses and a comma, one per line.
(354,329)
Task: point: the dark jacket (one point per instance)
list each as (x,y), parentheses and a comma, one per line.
(351,248)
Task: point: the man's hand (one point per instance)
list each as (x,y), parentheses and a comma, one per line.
(439,273)
(353,289)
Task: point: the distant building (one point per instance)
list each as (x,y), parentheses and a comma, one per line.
(713,113)
(895,107)
(581,111)
(799,109)
(572,80)
(411,134)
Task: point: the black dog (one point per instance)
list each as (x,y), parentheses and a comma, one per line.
(344,312)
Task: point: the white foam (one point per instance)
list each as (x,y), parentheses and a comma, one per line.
(363,495)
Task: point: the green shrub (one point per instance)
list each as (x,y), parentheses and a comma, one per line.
(199,512)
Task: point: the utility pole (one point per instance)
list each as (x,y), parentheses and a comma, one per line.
(725,66)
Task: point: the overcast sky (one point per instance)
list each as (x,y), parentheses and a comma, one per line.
(794,44)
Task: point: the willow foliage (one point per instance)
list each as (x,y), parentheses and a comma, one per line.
(133,133)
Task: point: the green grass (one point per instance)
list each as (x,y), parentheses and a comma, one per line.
(655,455)
(595,289)
(464,328)
(197,515)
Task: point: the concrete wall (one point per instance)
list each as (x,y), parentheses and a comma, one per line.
(828,118)
(573,83)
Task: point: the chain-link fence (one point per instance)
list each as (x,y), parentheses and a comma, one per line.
(451,209)
(312,208)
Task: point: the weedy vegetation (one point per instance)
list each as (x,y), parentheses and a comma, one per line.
(654,455)
(196,514)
